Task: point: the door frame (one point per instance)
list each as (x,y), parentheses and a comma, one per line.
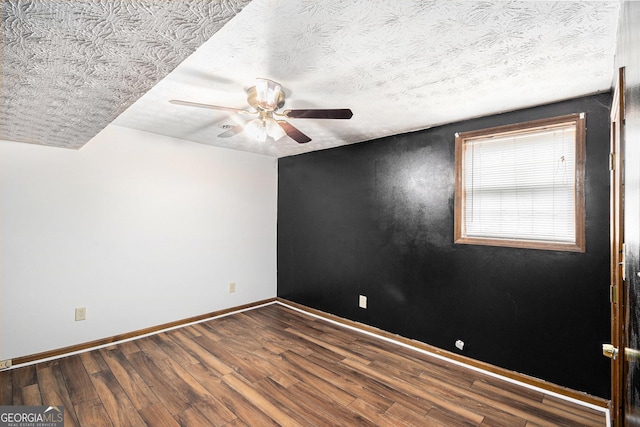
(618,294)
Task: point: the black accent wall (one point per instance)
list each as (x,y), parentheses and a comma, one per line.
(376,219)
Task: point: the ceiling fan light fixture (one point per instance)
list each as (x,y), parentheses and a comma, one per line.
(257,129)
(267,93)
(264,127)
(274,130)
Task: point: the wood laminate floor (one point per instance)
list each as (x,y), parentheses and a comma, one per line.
(275,366)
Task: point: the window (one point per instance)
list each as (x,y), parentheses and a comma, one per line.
(522,185)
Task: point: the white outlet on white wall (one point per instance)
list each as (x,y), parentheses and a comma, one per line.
(232,287)
(81,313)
(362,301)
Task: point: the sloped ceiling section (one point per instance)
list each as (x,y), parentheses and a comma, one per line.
(69,67)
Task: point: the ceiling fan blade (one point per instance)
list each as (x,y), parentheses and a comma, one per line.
(209,106)
(336,113)
(293,133)
(234,130)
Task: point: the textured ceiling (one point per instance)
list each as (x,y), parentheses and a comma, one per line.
(69,67)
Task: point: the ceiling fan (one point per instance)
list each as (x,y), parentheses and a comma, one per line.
(266,99)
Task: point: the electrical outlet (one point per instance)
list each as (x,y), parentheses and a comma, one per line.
(232,287)
(362,302)
(5,364)
(81,313)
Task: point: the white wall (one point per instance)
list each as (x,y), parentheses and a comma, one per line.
(139,228)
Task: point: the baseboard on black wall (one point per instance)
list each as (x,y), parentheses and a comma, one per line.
(457,358)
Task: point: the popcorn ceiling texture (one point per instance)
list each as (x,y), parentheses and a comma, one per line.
(69,67)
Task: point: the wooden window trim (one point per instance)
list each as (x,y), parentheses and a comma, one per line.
(459,199)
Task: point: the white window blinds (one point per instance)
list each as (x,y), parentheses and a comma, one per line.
(522,186)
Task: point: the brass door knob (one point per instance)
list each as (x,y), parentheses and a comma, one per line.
(610,351)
